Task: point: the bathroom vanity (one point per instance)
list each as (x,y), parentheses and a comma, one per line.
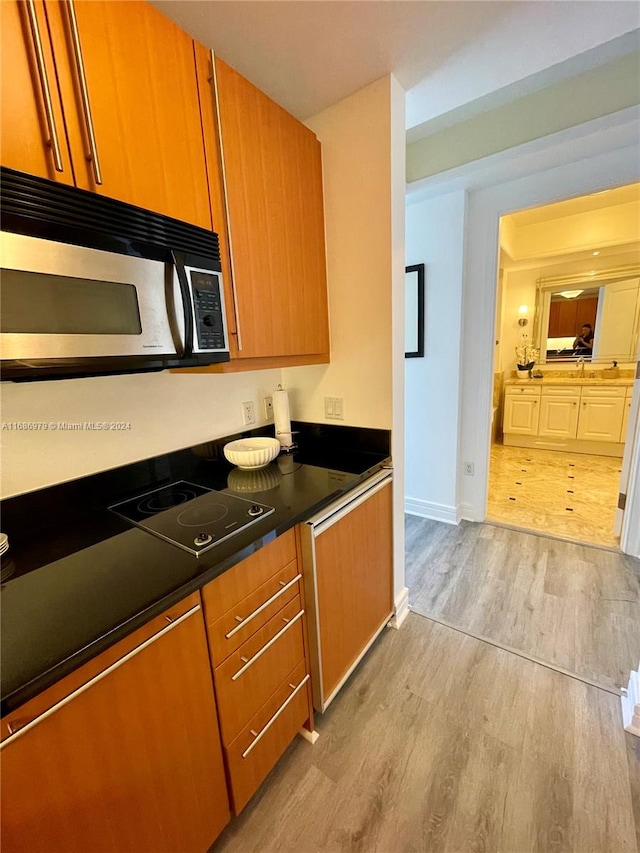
(583,415)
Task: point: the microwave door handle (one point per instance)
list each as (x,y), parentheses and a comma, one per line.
(187,307)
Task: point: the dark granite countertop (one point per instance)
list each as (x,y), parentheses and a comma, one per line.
(83,578)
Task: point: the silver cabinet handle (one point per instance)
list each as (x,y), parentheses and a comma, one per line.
(266,646)
(18,727)
(242,622)
(236,311)
(266,728)
(84,93)
(44,86)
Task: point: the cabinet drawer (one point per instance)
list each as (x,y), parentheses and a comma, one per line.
(589,391)
(263,740)
(561,391)
(524,390)
(230,631)
(234,586)
(250,675)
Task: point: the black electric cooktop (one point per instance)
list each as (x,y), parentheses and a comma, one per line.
(190,516)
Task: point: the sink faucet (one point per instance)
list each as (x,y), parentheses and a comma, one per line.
(580,365)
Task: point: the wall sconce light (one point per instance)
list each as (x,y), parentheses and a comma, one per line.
(523,319)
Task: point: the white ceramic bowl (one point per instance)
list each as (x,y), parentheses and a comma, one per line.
(252,453)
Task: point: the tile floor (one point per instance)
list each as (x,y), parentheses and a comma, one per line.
(573,495)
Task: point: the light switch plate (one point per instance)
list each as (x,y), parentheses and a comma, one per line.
(334,408)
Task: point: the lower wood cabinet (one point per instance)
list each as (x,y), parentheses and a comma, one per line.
(348,572)
(256,626)
(123,754)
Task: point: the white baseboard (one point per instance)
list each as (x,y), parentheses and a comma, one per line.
(631,705)
(426,509)
(401,610)
(467,512)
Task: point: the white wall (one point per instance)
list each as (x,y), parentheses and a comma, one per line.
(435,237)
(588,159)
(356,159)
(166,411)
(363,150)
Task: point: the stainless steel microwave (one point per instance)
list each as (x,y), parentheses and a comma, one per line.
(90,285)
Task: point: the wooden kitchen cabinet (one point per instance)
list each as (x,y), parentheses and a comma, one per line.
(259,653)
(567,316)
(31,116)
(272,169)
(124,753)
(123,76)
(348,572)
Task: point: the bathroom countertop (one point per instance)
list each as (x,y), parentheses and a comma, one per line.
(572,380)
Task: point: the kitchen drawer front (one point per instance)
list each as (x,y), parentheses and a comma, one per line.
(526,390)
(260,744)
(240,623)
(236,584)
(561,391)
(248,677)
(589,391)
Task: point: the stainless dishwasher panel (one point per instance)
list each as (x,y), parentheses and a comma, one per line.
(310,530)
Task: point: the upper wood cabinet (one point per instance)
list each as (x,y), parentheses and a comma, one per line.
(124,79)
(124,754)
(567,316)
(273,196)
(32,130)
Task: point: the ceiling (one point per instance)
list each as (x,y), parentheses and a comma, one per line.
(573,206)
(309,54)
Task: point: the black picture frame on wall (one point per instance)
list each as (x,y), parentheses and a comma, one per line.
(414,311)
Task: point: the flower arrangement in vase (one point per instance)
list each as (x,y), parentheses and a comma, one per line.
(526,357)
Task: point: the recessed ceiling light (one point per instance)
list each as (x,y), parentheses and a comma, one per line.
(570,294)
(595,253)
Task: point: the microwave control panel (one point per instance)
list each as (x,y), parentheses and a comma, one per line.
(208,310)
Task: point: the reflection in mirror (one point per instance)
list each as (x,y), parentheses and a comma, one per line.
(575,319)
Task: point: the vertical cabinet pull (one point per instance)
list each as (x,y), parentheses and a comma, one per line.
(53,141)
(84,93)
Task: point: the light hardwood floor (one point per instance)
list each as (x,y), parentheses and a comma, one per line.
(553,491)
(575,606)
(443,743)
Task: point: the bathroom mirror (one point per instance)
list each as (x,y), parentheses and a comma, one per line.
(414,311)
(606,305)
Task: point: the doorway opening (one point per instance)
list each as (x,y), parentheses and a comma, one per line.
(567,336)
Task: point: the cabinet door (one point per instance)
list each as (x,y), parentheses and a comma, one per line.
(354,580)
(32,130)
(558,417)
(143,104)
(521,414)
(625,418)
(130,761)
(273,184)
(601,418)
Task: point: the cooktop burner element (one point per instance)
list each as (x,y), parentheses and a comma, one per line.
(190,516)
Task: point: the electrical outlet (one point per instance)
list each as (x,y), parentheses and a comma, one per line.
(468,469)
(268,408)
(248,413)
(334,408)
